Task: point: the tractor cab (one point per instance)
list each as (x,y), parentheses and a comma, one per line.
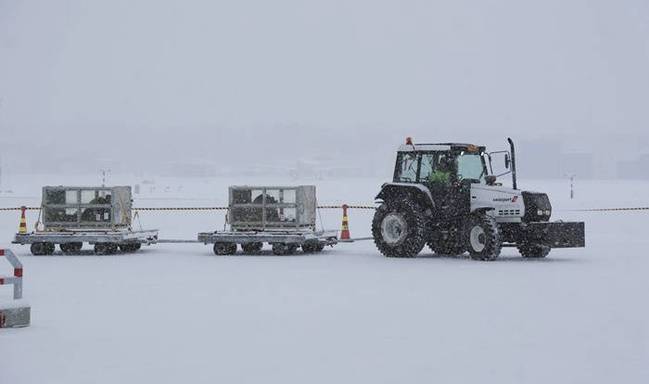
(441,164)
(446,172)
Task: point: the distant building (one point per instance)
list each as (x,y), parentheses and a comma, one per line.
(634,169)
(539,159)
(188,169)
(580,164)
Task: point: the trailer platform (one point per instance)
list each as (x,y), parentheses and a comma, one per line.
(71,241)
(282,242)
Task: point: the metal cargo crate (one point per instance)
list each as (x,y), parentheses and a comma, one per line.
(86,207)
(263,208)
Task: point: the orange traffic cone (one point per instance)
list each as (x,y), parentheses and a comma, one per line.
(22,228)
(344,232)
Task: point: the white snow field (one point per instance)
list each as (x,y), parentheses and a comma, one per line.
(179,314)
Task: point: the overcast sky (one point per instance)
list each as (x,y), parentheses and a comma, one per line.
(199,79)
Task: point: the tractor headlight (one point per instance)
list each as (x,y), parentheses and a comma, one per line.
(548,212)
(539,212)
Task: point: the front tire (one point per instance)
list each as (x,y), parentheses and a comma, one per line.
(399,228)
(483,238)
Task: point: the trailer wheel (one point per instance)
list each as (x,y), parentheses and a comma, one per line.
(129,247)
(105,248)
(101,248)
(252,248)
(76,247)
(279,248)
(319,247)
(483,238)
(533,251)
(284,249)
(71,248)
(39,249)
(124,247)
(49,248)
(222,249)
(399,228)
(310,247)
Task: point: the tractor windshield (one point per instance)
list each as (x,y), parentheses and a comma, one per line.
(470,166)
(424,167)
(406,170)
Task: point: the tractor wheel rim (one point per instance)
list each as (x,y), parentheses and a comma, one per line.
(394,228)
(478,238)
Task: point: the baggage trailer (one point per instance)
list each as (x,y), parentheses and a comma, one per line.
(283,243)
(281,216)
(71,241)
(99,216)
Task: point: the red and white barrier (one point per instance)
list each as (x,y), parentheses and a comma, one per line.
(14,316)
(17,278)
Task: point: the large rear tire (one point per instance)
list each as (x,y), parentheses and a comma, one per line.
(483,237)
(399,228)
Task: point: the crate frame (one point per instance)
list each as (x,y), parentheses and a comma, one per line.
(305,205)
(120,208)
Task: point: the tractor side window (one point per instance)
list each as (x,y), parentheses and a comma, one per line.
(406,167)
(471,167)
(427,166)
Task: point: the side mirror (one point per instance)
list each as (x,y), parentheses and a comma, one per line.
(491,179)
(507,161)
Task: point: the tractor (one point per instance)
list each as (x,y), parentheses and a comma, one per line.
(446,196)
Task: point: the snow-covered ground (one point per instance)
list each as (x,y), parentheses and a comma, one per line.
(179,314)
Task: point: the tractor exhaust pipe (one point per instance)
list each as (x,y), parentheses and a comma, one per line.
(513,152)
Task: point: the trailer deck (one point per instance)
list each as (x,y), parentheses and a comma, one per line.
(71,240)
(328,237)
(282,242)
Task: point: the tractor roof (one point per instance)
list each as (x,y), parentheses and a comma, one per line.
(439,147)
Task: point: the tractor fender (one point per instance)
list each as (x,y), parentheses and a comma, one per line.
(416,191)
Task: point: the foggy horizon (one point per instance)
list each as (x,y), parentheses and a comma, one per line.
(145,83)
